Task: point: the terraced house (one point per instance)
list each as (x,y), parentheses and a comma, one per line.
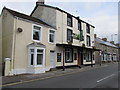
(48,38)
(108,50)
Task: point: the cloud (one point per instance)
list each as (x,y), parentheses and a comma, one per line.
(105,25)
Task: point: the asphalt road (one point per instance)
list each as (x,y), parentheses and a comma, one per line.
(104,77)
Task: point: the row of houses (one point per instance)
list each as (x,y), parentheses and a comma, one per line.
(49,38)
(108,50)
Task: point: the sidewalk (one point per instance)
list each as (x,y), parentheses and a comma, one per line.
(50,74)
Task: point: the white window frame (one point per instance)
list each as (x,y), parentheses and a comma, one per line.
(35,57)
(75,51)
(39,33)
(54,36)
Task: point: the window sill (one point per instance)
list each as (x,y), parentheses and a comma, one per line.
(36,41)
(51,43)
(69,62)
(32,66)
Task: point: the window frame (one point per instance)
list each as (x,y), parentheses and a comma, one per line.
(71,20)
(75,56)
(88,57)
(35,57)
(71,53)
(49,36)
(40,32)
(88,28)
(88,43)
(69,35)
(79,27)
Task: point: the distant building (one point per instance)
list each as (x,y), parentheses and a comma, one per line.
(108,50)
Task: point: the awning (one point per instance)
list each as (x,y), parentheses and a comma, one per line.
(80,47)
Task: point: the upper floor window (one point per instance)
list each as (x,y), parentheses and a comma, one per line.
(69,35)
(51,36)
(88,41)
(88,28)
(69,20)
(79,25)
(36,33)
(81,35)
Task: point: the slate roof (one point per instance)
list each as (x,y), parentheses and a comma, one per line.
(24,16)
(59,10)
(104,42)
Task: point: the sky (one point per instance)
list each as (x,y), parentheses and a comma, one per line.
(103,14)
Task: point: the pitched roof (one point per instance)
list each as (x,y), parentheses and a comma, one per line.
(59,10)
(104,42)
(24,16)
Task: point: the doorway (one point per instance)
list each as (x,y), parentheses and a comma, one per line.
(52,59)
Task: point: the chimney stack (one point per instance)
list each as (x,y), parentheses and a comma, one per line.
(104,39)
(112,42)
(95,35)
(40,2)
(117,44)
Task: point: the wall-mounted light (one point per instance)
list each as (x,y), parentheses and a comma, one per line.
(20,29)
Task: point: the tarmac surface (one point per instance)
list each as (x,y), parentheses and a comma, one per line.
(19,79)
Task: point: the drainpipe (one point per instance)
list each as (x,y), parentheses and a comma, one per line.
(91,59)
(63,60)
(14,44)
(63,47)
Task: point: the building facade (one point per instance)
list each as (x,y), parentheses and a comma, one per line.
(0,40)
(74,35)
(108,50)
(49,38)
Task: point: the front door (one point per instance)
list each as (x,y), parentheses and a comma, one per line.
(80,57)
(52,59)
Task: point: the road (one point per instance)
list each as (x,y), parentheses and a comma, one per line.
(104,77)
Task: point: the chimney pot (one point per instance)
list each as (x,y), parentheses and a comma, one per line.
(95,35)
(112,42)
(104,39)
(40,2)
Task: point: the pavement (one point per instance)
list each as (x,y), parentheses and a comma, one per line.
(10,80)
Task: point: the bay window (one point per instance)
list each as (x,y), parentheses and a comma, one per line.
(36,56)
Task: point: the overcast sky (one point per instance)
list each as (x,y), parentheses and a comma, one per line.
(100,13)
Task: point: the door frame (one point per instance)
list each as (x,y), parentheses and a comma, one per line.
(52,65)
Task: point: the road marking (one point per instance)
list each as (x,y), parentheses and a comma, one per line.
(62,74)
(105,78)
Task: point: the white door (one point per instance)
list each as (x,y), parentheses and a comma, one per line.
(52,59)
